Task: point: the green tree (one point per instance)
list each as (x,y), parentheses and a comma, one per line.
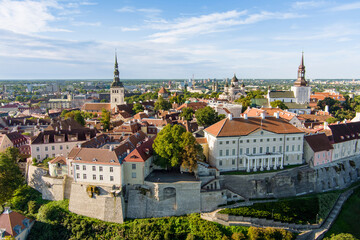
(279,104)
(105,119)
(174,147)
(138,107)
(333,104)
(162,104)
(331,120)
(341,236)
(103,100)
(206,116)
(19,99)
(10,175)
(79,118)
(187,113)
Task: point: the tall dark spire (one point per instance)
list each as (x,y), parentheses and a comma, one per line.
(116,82)
(301,82)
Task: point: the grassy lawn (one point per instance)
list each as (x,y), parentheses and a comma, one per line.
(301,210)
(349,217)
(258,172)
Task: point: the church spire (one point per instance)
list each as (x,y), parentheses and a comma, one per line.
(301,82)
(116,82)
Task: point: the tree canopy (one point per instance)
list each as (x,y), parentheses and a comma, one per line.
(279,104)
(207,116)
(175,147)
(10,175)
(187,113)
(162,104)
(138,108)
(105,119)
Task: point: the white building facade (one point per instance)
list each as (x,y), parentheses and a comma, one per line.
(254,144)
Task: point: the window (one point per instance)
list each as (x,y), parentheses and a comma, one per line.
(84,176)
(227,152)
(240,161)
(94,177)
(261,140)
(227,142)
(241,141)
(133,174)
(46,149)
(254,150)
(220,163)
(293,138)
(247,150)
(101,177)
(247,141)
(299,138)
(52,147)
(133,166)
(233,162)
(37,149)
(267,149)
(280,139)
(298,147)
(274,139)
(241,151)
(233,152)
(268,139)
(261,149)
(287,139)
(78,175)
(274,149)
(94,168)
(233,142)
(61,147)
(254,140)
(53,155)
(287,148)
(100,169)
(298,157)
(280,148)
(77,167)
(67,146)
(47,155)
(293,148)
(220,142)
(111,169)
(111,178)
(220,153)
(38,157)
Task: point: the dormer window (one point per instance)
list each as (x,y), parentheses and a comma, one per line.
(112,160)
(17,229)
(342,137)
(94,160)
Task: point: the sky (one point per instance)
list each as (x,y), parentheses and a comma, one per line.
(171,39)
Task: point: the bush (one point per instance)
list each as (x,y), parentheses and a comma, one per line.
(22,196)
(34,162)
(238,236)
(32,207)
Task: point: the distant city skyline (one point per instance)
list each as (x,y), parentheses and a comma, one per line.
(178,39)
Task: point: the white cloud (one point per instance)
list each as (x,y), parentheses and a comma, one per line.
(126,9)
(308,4)
(90,24)
(346,7)
(129,29)
(216,22)
(27,16)
(143,10)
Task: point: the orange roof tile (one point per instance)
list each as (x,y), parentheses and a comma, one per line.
(241,126)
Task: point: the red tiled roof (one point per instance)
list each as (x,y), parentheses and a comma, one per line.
(9,220)
(141,153)
(319,142)
(58,159)
(241,126)
(163,90)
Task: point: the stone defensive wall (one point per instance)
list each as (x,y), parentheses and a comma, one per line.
(296,181)
(104,203)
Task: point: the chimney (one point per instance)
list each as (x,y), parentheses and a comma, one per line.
(69,127)
(276,114)
(327,108)
(111,148)
(245,116)
(230,116)
(79,145)
(326,125)
(128,151)
(262,115)
(24,121)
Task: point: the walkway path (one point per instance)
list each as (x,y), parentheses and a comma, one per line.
(306,234)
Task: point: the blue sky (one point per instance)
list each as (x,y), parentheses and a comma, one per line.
(176,39)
